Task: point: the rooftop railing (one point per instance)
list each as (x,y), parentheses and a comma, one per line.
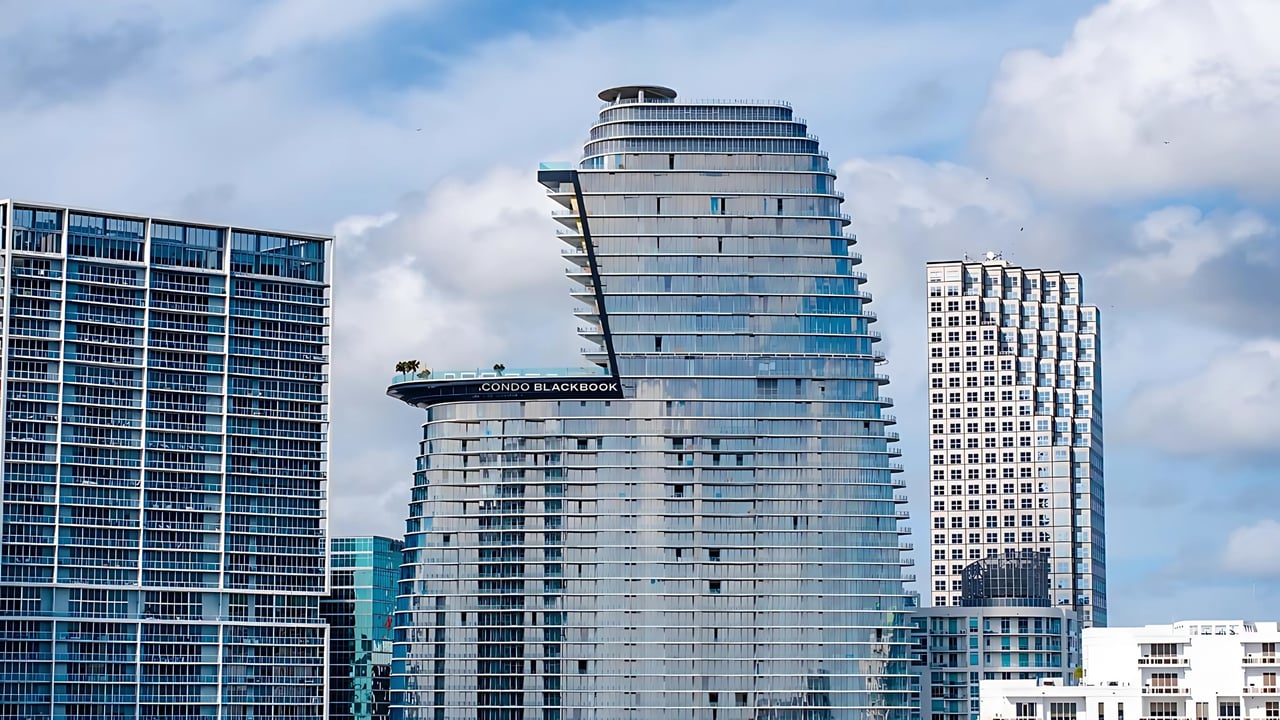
(696,101)
(480,373)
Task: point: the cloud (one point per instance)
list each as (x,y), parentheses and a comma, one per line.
(56,67)
(1216,269)
(1254,550)
(287,106)
(1175,242)
(467,275)
(305,115)
(1146,97)
(281,114)
(288,25)
(1231,405)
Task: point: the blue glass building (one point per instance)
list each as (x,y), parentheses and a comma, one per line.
(363,572)
(703,523)
(165,390)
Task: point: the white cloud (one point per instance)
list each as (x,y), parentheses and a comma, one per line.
(1093,121)
(1176,241)
(351,232)
(267,113)
(263,107)
(1254,550)
(256,113)
(287,25)
(466,276)
(1230,405)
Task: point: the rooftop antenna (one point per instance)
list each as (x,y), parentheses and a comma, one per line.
(994,255)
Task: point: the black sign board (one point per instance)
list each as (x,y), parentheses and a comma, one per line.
(428,392)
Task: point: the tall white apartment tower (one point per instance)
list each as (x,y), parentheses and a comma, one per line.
(1015,429)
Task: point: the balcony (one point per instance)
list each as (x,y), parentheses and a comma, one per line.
(1164,690)
(1259,690)
(1163,660)
(1263,659)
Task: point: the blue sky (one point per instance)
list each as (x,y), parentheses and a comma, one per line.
(1133,140)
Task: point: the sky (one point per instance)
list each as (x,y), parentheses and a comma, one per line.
(1132,141)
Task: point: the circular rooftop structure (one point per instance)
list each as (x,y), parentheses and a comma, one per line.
(637,92)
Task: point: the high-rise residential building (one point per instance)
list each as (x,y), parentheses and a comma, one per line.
(1207,670)
(1004,628)
(1015,420)
(165,390)
(359,609)
(703,523)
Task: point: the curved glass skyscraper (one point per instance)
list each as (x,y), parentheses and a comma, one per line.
(704,523)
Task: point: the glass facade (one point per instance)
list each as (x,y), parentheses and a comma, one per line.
(1015,406)
(724,542)
(165,390)
(359,610)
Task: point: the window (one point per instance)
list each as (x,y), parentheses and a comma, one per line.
(1062,711)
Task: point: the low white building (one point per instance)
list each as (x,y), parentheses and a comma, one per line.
(1193,670)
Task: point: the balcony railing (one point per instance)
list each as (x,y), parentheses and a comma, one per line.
(1163,660)
(1164,690)
(479,373)
(1264,659)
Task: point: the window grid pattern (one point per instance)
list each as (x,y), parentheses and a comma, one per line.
(164,471)
(1015,403)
